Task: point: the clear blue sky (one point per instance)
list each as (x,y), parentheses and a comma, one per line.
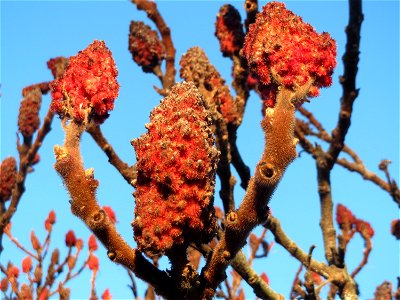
(32,32)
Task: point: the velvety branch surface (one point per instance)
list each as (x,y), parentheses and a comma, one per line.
(128,172)
(81,186)
(280,150)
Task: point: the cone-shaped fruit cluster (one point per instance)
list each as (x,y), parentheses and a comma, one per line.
(196,67)
(28,118)
(229,30)
(145,46)
(89,86)
(8,174)
(282,50)
(176,163)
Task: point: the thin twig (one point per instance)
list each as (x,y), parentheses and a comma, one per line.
(356,165)
(20,246)
(279,152)
(128,172)
(338,276)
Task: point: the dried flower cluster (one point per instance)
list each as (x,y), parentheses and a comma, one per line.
(89,86)
(229,30)
(28,118)
(145,46)
(282,50)
(196,67)
(8,174)
(176,163)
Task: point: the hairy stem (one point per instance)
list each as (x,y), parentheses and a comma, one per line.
(81,187)
(279,152)
(128,172)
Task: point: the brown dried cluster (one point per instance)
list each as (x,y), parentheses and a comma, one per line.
(146,48)
(28,118)
(229,30)
(196,67)
(8,174)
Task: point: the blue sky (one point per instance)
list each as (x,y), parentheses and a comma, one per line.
(33,32)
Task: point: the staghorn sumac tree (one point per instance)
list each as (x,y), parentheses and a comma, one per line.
(233,119)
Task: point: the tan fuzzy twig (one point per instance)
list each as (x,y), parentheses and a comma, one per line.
(81,188)
(279,152)
(128,172)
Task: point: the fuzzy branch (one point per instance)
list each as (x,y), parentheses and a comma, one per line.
(279,152)
(82,186)
(128,172)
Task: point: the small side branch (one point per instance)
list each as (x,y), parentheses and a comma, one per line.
(354,165)
(338,276)
(237,161)
(260,287)
(128,172)
(367,251)
(282,239)
(279,152)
